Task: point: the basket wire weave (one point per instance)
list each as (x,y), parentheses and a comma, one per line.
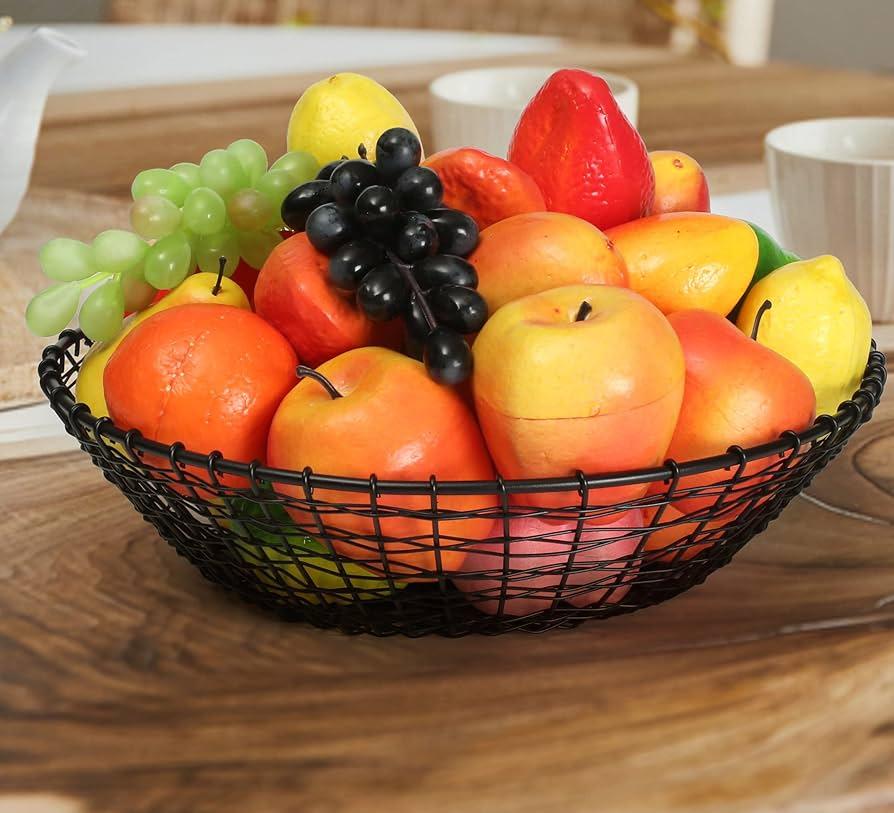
(286,552)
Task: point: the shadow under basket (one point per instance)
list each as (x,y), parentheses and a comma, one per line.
(451,558)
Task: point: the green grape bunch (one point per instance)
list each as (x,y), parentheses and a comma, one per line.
(225,208)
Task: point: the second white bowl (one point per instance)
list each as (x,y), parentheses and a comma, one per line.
(832,184)
(480,108)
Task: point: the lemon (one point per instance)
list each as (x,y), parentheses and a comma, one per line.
(818,321)
(334,116)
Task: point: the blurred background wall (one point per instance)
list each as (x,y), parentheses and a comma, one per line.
(855,33)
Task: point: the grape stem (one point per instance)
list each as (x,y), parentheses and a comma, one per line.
(767,304)
(406,272)
(303,371)
(99,276)
(222,263)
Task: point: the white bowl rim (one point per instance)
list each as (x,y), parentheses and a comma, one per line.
(618,83)
(771,140)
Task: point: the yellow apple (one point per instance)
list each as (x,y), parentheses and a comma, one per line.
(584,377)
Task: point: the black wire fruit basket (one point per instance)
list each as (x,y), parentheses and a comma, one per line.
(364,555)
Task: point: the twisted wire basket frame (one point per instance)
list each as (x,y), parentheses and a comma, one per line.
(287,552)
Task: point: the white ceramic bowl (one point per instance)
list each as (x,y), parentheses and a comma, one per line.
(832,185)
(480,108)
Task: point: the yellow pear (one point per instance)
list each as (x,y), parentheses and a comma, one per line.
(197,288)
(335,115)
(817,320)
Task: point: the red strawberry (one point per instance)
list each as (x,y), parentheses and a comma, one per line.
(583,153)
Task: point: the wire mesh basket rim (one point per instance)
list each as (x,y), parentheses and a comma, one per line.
(850,415)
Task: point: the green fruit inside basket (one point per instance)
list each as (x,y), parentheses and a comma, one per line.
(278,555)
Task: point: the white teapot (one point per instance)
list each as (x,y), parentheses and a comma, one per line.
(26,73)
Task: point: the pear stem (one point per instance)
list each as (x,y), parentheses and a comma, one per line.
(407,273)
(583,311)
(304,371)
(222,263)
(767,304)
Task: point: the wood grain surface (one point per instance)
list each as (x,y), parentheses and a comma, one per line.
(130,685)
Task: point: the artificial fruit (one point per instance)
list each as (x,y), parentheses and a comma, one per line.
(373,411)
(596,565)
(337,114)
(197,288)
(533,252)
(581,378)
(583,153)
(738,393)
(688,260)
(208,376)
(680,183)
(294,295)
(487,187)
(817,320)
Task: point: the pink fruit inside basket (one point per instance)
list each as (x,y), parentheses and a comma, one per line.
(602,561)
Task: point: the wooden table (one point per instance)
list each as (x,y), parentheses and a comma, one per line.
(128,684)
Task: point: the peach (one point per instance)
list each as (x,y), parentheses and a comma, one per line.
(585,377)
(601,569)
(680,183)
(536,251)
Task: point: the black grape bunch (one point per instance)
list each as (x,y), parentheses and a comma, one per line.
(392,243)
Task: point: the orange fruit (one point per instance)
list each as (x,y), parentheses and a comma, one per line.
(209,376)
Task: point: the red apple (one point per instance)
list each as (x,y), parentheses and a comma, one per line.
(394,421)
(294,295)
(246,278)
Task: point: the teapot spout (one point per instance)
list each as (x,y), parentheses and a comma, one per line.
(26,74)
(37,60)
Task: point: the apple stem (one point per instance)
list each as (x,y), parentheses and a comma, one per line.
(221,263)
(767,304)
(361,151)
(407,273)
(583,311)
(304,371)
